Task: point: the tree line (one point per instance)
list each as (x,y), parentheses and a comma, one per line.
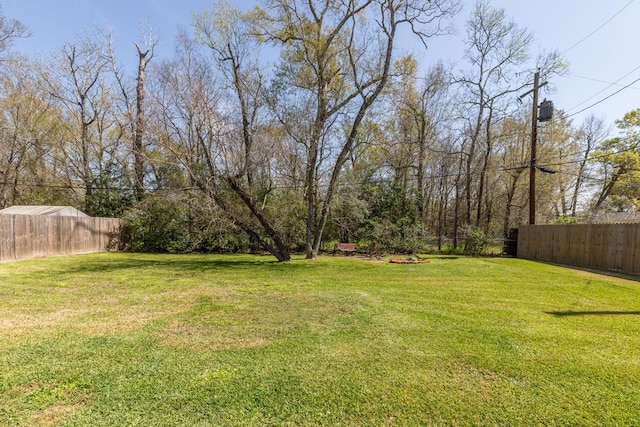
(300,123)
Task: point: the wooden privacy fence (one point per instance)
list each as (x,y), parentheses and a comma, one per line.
(28,236)
(599,246)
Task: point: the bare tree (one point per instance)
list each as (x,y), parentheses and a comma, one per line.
(420,114)
(136,116)
(495,48)
(196,122)
(10,29)
(78,82)
(226,34)
(592,132)
(27,129)
(337,59)
(513,144)
(619,162)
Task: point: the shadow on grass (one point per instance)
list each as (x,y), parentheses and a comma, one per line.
(611,273)
(594,313)
(193,263)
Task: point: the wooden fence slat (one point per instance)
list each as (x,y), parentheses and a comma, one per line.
(632,256)
(27,236)
(601,246)
(7,239)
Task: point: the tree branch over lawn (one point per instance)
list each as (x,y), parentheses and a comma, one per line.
(336,57)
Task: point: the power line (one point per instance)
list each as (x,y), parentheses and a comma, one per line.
(610,85)
(599,28)
(601,81)
(605,98)
(432,176)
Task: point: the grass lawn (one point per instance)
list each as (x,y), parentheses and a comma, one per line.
(164,340)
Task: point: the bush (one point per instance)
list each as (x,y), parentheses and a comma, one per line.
(565,220)
(397,237)
(477,242)
(179,224)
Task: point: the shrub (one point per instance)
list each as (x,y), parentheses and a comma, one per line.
(179,224)
(477,241)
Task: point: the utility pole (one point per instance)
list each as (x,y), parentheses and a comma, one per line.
(534,142)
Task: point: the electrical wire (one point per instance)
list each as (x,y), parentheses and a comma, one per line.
(610,85)
(434,176)
(524,165)
(605,98)
(602,81)
(599,28)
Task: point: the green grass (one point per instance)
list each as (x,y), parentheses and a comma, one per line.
(159,340)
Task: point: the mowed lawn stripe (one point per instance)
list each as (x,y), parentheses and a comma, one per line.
(203,340)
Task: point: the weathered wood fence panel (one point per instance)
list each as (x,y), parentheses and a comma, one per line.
(28,236)
(600,246)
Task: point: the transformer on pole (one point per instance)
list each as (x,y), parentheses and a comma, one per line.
(546,114)
(546,111)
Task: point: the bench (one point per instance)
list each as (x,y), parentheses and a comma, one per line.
(344,247)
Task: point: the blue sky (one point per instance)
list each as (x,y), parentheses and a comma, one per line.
(595,64)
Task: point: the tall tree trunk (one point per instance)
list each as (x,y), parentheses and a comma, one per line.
(310,195)
(89,203)
(422,149)
(469,183)
(442,207)
(606,192)
(345,152)
(485,165)
(279,249)
(594,131)
(456,217)
(511,191)
(138,145)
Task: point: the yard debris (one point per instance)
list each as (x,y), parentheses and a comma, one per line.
(408,260)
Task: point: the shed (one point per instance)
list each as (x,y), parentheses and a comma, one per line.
(43,210)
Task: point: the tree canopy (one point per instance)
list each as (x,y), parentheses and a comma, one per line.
(301,123)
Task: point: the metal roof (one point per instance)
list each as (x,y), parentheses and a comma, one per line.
(43,210)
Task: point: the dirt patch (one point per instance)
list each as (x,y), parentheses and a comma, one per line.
(186,335)
(14,321)
(53,415)
(408,260)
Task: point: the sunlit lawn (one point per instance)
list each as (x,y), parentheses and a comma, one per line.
(160,340)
